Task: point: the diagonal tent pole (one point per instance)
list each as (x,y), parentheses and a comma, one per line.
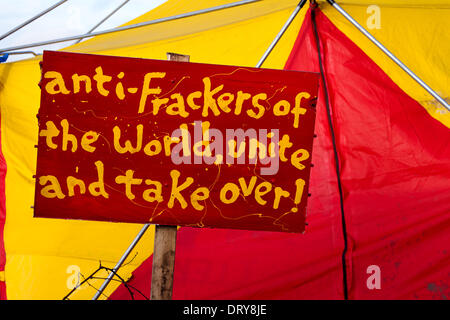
(132,26)
(121,261)
(145,227)
(280,34)
(104,19)
(21,52)
(32,19)
(390,54)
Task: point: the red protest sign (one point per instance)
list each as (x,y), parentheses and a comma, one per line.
(139,140)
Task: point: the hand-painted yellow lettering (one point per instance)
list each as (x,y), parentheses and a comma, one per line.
(224,101)
(232,146)
(76,79)
(157,103)
(185,139)
(128,145)
(87,139)
(97,188)
(255,144)
(50,133)
(205,142)
(281,108)
(240,99)
(190,100)
(146,90)
(209,102)
(177,108)
(128,180)
(299,187)
(262,189)
(57,85)
(168,141)
(257,105)
(297,111)
(247,189)
(120,93)
(284,144)
(198,195)
(66,137)
(101,79)
(176,190)
(229,187)
(297,157)
(153,194)
(279,192)
(73,182)
(153,148)
(53,190)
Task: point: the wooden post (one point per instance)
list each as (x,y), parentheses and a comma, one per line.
(163,262)
(165,241)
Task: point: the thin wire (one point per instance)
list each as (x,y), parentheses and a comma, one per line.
(66,297)
(121,261)
(92,276)
(125,283)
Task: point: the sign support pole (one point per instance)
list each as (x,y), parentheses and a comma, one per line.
(165,242)
(163,262)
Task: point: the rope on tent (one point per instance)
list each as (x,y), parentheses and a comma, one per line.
(335,151)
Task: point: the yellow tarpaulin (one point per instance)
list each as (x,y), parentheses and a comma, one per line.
(44,256)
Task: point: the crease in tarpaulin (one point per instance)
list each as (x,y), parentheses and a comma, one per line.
(328,105)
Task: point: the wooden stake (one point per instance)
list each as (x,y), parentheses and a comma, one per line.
(163,262)
(165,242)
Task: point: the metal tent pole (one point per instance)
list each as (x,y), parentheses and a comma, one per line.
(32,19)
(104,19)
(121,261)
(145,227)
(133,26)
(390,54)
(21,52)
(280,34)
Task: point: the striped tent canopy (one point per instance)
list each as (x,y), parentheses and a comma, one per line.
(388,206)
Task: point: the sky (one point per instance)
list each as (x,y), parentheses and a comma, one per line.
(71,18)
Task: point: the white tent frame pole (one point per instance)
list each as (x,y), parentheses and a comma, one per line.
(121,261)
(390,54)
(32,19)
(145,227)
(104,19)
(133,26)
(20,52)
(280,34)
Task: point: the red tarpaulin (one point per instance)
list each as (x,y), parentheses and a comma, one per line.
(395,173)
